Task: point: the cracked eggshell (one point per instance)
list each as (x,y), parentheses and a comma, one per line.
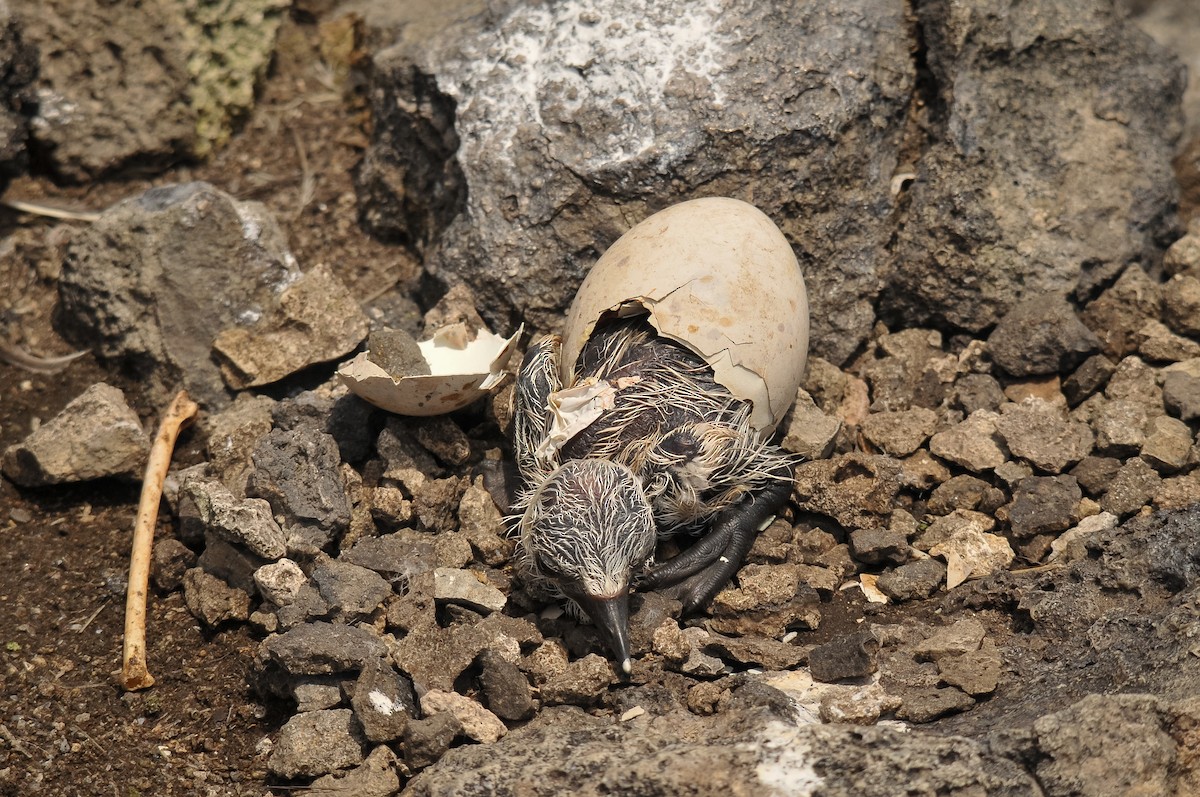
(459,375)
(718,276)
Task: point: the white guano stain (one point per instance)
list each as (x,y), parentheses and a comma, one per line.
(616,58)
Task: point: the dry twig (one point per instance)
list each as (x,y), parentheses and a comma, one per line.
(134,674)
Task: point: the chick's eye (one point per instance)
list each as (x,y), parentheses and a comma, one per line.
(547,566)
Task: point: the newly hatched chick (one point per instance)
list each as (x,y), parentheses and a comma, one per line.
(669,451)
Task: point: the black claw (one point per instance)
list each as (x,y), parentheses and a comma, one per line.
(699,573)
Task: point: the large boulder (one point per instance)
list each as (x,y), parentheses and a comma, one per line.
(139,87)
(1049,165)
(514,147)
(154,280)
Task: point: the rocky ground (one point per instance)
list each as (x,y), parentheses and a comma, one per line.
(986,579)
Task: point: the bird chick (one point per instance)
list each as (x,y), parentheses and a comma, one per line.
(661,449)
(587,528)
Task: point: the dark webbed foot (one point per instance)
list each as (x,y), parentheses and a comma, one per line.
(695,576)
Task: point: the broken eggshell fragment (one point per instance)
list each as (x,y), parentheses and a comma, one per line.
(460,372)
(718,276)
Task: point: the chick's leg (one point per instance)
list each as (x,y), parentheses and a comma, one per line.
(536,380)
(699,573)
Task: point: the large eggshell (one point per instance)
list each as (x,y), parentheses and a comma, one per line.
(718,276)
(459,375)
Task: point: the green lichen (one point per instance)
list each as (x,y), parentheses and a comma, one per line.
(232,43)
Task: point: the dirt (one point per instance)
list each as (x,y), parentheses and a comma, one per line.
(67,728)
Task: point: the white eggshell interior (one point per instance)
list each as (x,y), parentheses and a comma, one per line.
(718,276)
(458,376)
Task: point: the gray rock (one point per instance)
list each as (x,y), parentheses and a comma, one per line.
(1168,444)
(443,438)
(19,56)
(956,639)
(505,690)
(96,435)
(1013,471)
(755,651)
(973,444)
(899,433)
(481,522)
(1119,313)
(231,563)
(317,743)
(976,672)
(452,585)
(955,524)
(232,436)
(434,657)
(1120,427)
(1181,395)
(977,392)
(912,581)
(478,724)
(922,472)
(1181,304)
(427,740)
(349,590)
(1134,380)
(375,777)
(307,605)
(211,600)
(396,352)
(113,95)
(150,284)
(1040,434)
(466,119)
(927,705)
(109,92)
(1131,489)
(583,683)
(316,693)
(1041,335)
(850,656)
(298,473)
(383,702)
(1088,378)
(280,582)
(880,546)
(1094,474)
(965,492)
(967,255)
(1183,256)
(905,369)
(1044,505)
(853,489)
(809,431)
(390,509)
(649,612)
(1160,344)
(315,320)
(401,556)
(247,522)
(335,411)
(435,502)
(742,751)
(771,598)
(322,648)
(1137,752)
(171,560)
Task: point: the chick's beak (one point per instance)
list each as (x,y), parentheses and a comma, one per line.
(611,616)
